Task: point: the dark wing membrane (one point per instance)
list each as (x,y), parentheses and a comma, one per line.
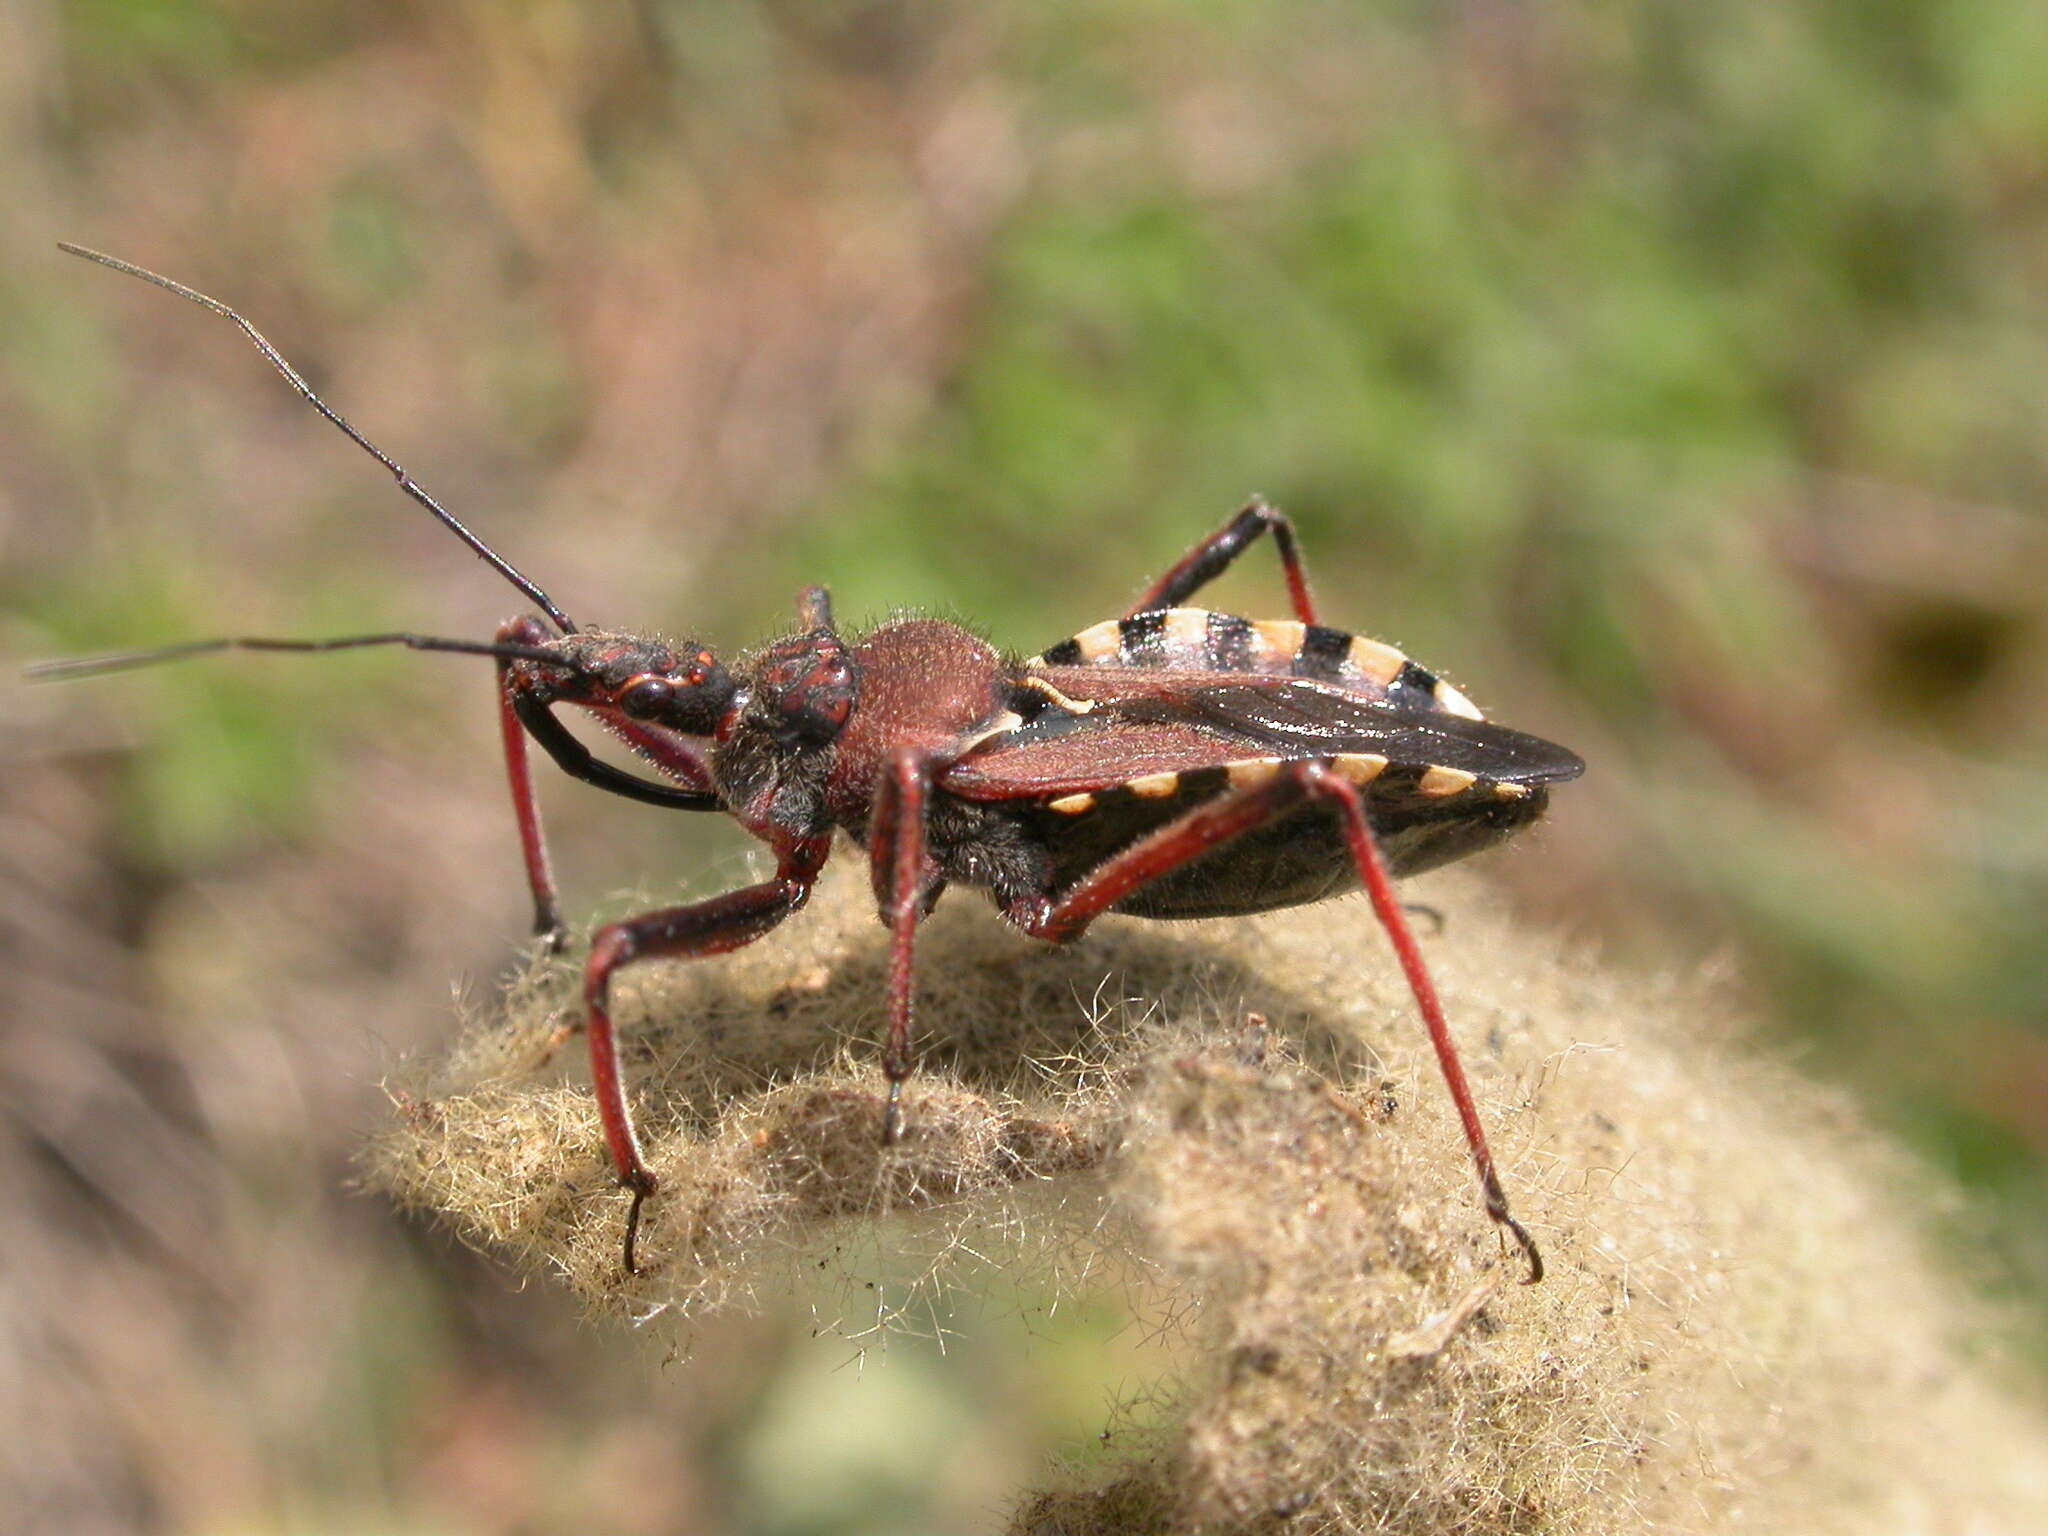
(1213,724)
(1298,720)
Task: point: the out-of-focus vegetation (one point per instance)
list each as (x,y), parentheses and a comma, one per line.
(1675,377)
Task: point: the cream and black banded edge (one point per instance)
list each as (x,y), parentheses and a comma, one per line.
(1435,783)
(1222,642)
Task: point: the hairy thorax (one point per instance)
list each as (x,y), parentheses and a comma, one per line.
(925,686)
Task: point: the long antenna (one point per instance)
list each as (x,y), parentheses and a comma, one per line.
(125,661)
(406,483)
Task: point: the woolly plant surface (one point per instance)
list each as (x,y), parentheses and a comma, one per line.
(1239,1126)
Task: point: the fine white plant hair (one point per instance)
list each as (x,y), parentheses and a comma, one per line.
(1237,1124)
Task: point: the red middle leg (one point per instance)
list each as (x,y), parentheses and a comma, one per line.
(1179,842)
(896,843)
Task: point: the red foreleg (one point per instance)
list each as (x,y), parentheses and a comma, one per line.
(540,874)
(522,715)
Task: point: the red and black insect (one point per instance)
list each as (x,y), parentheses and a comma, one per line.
(1171,763)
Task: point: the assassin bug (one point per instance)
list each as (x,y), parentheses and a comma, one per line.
(1171,763)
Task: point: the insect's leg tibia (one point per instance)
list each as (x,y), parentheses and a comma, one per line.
(896,845)
(1497,1208)
(678,933)
(1214,555)
(540,874)
(1379,887)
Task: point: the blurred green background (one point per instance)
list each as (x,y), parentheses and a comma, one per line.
(1674,377)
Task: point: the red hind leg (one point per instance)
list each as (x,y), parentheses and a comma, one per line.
(1379,888)
(1234,813)
(1210,558)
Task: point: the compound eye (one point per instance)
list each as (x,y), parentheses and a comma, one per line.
(646,697)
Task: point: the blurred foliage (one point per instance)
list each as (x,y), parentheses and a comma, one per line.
(1680,359)
(1672,376)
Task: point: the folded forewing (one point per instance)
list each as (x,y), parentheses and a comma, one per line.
(1111,736)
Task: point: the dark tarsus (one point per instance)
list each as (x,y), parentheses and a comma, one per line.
(1131,785)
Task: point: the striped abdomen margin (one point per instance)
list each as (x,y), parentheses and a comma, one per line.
(1201,640)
